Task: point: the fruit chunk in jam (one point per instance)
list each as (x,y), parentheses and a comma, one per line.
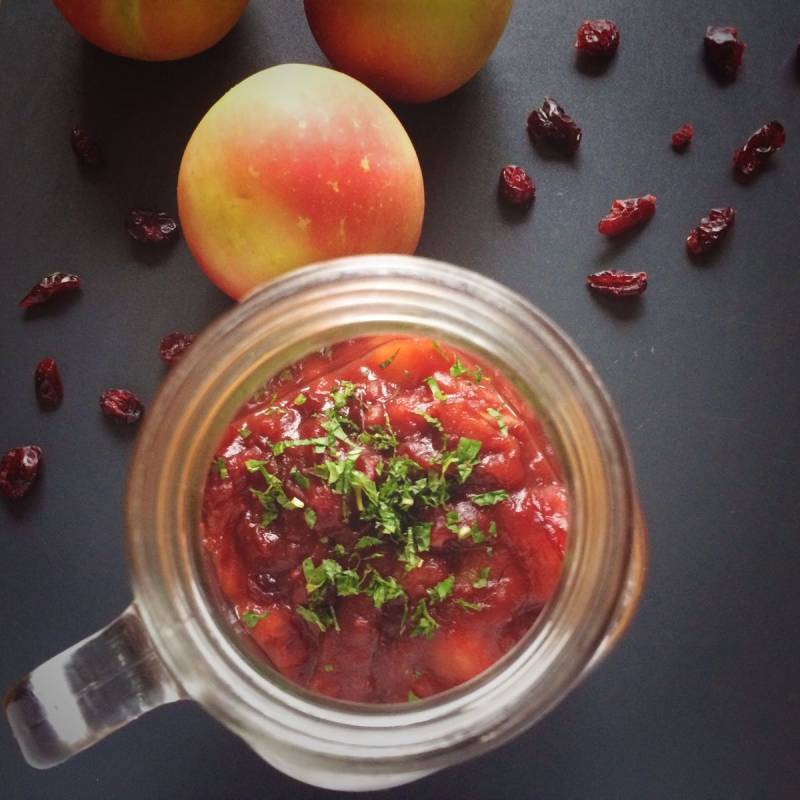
(387,519)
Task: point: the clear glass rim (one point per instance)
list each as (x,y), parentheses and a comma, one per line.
(271,329)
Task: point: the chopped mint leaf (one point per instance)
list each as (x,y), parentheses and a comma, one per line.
(299,400)
(299,478)
(311,616)
(467,606)
(492,529)
(279,448)
(422,535)
(429,419)
(452,521)
(244,431)
(464,457)
(389,360)
(327,667)
(367,541)
(424,624)
(412,698)
(343,392)
(339,550)
(221,466)
(457,369)
(252,618)
(435,390)
(500,420)
(310,517)
(379,438)
(381,590)
(483,578)
(442,590)
(489,498)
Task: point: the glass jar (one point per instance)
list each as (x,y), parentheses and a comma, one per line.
(178,639)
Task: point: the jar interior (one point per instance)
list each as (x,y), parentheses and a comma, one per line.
(476,588)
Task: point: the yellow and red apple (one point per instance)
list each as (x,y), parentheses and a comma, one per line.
(152,30)
(408,50)
(297,164)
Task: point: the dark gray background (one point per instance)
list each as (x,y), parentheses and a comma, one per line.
(702,697)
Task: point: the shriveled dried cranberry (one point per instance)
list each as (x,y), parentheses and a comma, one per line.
(617,283)
(19,470)
(625,214)
(151,227)
(173,345)
(47,381)
(710,230)
(551,124)
(51,285)
(682,136)
(724,50)
(86,149)
(597,37)
(121,405)
(516,186)
(754,153)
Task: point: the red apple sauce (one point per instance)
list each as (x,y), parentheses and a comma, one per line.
(409,542)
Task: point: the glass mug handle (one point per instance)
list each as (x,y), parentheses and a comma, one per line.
(88,691)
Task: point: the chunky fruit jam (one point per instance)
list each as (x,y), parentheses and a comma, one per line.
(386,518)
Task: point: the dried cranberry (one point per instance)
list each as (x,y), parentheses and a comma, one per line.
(86,149)
(597,37)
(151,227)
(18,471)
(710,230)
(617,283)
(47,380)
(626,214)
(121,405)
(516,186)
(49,286)
(173,345)
(682,136)
(751,157)
(550,123)
(724,50)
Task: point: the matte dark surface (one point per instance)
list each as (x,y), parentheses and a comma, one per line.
(702,697)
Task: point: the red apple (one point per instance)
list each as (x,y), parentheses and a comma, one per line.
(152,30)
(408,50)
(293,165)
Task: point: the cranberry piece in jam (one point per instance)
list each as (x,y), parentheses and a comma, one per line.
(86,149)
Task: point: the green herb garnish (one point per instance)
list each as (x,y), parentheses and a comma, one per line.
(252,618)
(500,420)
(299,478)
(467,606)
(424,624)
(412,698)
(299,400)
(483,578)
(221,466)
(389,360)
(244,431)
(458,369)
(429,419)
(327,667)
(442,590)
(435,390)
(489,498)
(310,517)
